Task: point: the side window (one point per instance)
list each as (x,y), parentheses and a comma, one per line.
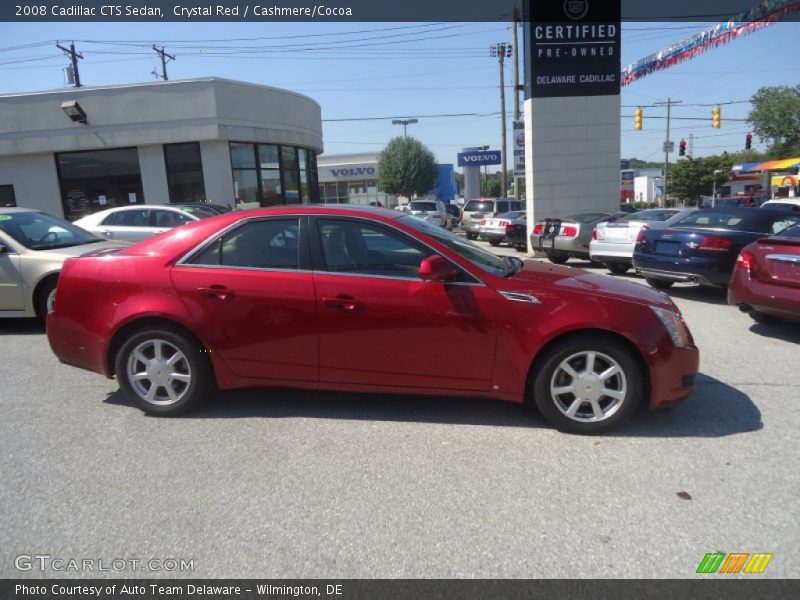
(356,247)
(785,222)
(131,218)
(169,218)
(111,219)
(267,244)
(502,207)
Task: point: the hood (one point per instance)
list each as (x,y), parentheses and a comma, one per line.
(81,249)
(538,275)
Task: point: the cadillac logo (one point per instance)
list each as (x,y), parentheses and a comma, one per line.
(576,9)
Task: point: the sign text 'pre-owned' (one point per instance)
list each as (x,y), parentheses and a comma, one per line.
(572,48)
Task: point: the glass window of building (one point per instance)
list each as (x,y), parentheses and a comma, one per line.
(7,197)
(98,179)
(268,175)
(184,172)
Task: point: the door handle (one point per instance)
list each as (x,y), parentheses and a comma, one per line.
(216,291)
(106,232)
(343,302)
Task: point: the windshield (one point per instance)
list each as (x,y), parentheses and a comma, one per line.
(477,256)
(422,206)
(515,214)
(40,231)
(478,205)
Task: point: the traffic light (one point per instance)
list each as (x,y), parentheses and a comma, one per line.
(637,119)
(748,141)
(716,117)
(682,148)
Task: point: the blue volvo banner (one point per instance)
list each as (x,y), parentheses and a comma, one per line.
(479,158)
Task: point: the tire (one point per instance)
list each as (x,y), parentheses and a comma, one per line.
(763,318)
(618,268)
(472,236)
(558,259)
(659,284)
(46,297)
(520,248)
(192,364)
(596,412)
(494,243)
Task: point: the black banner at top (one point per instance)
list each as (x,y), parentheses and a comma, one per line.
(268,11)
(572,48)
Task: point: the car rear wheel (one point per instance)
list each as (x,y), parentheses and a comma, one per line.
(163,372)
(588,385)
(558,259)
(494,242)
(659,284)
(618,268)
(472,236)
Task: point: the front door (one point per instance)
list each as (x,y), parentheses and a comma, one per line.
(11,297)
(380,324)
(252,302)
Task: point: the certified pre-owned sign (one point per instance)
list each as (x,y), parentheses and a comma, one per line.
(572,48)
(478,158)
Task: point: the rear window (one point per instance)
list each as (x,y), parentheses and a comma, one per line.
(746,219)
(651,215)
(792,232)
(586,217)
(422,206)
(477,206)
(515,214)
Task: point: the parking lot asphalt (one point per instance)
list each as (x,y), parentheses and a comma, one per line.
(306,484)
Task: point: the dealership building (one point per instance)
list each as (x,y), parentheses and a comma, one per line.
(72,152)
(353,179)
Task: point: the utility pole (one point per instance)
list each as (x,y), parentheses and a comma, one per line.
(502,50)
(691,146)
(74,56)
(515,52)
(668,104)
(165,58)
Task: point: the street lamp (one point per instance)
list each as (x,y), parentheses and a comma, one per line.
(405,123)
(485,171)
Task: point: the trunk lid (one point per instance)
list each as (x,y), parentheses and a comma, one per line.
(777,261)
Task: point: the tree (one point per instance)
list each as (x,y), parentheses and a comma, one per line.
(775,117)
(406,168)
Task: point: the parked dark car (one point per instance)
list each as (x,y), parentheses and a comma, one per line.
(517,232)
(702,247)
(766,280)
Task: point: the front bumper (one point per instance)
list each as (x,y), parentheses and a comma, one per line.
(673,376)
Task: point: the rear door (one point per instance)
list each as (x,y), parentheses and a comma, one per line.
(251,293)
(129,225)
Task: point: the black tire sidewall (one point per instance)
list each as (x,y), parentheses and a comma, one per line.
(201,384)
(558,259)
(41,299)
(618,268)
(658,284)
(541,384)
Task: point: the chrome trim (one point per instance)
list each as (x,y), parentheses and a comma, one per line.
(784,258)
(415,279)
(518,297)
(237,268)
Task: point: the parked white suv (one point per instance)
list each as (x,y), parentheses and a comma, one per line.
(479,209)
(430,210)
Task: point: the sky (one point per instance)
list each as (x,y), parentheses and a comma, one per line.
(357,70)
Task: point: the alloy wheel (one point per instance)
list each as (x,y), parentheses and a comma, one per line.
(588,386)
(159,372)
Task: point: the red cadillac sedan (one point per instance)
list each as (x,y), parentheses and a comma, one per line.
(766,280)
(365,300)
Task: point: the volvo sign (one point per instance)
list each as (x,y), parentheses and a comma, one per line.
(479,158)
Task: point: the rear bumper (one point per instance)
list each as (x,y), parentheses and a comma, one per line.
(673,376)
(492,236)
(768,298)
(691,270)
(75,347)
(471,226)
(605,252)
(562,245)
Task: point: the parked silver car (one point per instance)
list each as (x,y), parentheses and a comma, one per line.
(569,237)
(139,222)
(479,209)
(33,247)
(613,242)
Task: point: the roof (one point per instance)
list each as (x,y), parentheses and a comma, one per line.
(17,209)
(769,165)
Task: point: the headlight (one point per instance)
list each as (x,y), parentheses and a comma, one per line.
(675,325)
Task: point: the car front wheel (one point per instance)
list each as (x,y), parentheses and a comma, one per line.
(163,372)
(588,385)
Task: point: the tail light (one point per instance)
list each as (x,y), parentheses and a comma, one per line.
(640,237)
(483,222)
(712,243)
(594,233)
(745,260)
(509,228)
(569,231)
(538,228)
(504,223)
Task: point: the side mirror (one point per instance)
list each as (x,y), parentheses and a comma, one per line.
(437,268)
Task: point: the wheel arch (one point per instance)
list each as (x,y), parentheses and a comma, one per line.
(144,322)
(39,288)
(595,332)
